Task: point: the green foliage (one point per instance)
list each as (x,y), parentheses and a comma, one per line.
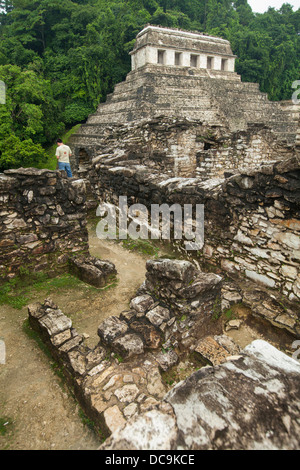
(60,58)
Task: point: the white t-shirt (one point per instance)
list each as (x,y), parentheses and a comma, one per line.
(63,152)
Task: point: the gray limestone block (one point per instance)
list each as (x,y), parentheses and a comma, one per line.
(205,285)
(250,402)
(55,322)
(112,328)
(180,270)
(128,345)
(142,303)
(92,270)
(158,315)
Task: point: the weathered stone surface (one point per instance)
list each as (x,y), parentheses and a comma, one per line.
(55,322)
(73,343)
(154,430)
(36,229)
(61,338)
(111,329)
(158,315)
(238,405)
(216,349)
(142,303)
(35,310)
(128,345)
(155,385)
(171,269)
(166,359)
(114,419)
(204,285)
(78,362)
(127,394)
(149,333)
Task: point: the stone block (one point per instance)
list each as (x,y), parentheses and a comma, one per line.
(158,315)
(113,418)
(237,405)
(216,350)
(55,322)
(92,270)
(151,337)
(112,328)
(128,345)
(142,303)
(172,269)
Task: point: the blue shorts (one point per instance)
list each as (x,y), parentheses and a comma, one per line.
(65,166)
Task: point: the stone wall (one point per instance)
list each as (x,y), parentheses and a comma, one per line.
(181,147)
(42,220)
(243,149)
(252,223)
(119,383)
(166,320)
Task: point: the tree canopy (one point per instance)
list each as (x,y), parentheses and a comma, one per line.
(60,58)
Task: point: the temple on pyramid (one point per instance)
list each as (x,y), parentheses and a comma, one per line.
(186,78)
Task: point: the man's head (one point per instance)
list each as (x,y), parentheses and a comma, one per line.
(59,142)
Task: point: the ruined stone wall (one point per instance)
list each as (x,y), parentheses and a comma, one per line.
(252,223)
(180,147)
(130,400)
(243,149)
(42,220)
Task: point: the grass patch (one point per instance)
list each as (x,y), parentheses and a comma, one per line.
(141,246)
(5,425)
(91,425)
(19,291)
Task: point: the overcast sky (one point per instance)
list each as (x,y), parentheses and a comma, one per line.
(260,6)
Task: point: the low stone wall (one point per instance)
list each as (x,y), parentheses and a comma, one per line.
(237,400)
(121,376)
(252,223)
(42,221)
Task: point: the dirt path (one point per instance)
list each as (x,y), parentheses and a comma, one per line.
(36,411)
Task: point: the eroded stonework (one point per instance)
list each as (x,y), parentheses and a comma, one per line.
(42,221)
(251,217)
(250,402)
(239,399)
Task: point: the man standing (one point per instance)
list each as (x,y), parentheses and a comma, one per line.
(63,153)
